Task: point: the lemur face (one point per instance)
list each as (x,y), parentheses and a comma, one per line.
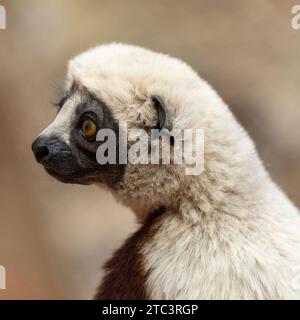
(67,147)
(114,84)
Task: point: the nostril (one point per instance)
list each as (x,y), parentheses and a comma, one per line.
(41,153)
(40,149)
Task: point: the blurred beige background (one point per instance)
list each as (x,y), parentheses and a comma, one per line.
(54,237)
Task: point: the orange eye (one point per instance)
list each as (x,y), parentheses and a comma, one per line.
(89,128)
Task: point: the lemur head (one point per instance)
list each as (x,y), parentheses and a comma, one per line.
(120,83)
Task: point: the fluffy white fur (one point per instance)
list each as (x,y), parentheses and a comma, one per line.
(229,232)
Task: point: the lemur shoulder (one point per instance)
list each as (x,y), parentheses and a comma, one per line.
(228,233)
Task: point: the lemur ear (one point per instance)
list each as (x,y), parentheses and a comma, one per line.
(164,121)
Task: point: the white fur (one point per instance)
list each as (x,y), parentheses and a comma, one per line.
(62,124)
(230,232)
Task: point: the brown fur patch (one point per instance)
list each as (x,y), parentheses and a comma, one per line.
(125,276)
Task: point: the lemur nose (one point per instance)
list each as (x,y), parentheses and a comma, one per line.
(40,149)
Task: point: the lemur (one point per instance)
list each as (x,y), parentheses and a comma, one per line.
(228,233)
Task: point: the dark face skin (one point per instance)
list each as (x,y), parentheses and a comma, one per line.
(74,160)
